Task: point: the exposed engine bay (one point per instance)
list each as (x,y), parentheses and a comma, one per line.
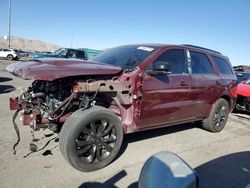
(47,102)
(45,96)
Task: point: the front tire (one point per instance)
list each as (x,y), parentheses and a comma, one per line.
(90,139)
(217,119)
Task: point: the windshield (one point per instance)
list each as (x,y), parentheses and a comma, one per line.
(58,51)
(127,57)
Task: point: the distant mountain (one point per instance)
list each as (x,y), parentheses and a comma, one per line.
(27,44)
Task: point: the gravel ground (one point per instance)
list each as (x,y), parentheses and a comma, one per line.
(222,160)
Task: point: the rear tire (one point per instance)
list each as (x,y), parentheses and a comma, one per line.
(217,119)
(10,57)
(90,139)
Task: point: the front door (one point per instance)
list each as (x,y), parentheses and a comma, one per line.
(165,97)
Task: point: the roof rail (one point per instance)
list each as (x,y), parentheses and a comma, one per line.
(193,46)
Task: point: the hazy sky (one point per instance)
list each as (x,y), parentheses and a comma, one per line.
(222,25)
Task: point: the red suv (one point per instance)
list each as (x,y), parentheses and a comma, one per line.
(123,90)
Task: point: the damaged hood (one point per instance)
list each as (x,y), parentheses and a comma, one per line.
(51,69)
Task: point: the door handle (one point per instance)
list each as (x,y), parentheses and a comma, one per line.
(183,83)
(218,83)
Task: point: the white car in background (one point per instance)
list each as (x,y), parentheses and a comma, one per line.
(10,54)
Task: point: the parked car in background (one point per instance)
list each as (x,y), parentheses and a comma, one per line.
(242,68)
(90,52)
(123,90)
(243,96)
(10,54)
(83,53)
(23,53)
(241,76)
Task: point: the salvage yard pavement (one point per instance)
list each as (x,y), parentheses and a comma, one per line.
(221,159)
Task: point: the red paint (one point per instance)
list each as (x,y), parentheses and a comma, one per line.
(244,89)
(13,103)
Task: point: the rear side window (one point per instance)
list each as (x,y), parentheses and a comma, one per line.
(200,63)
(176,60)
(222,65)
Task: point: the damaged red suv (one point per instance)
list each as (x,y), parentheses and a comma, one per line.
(130,88)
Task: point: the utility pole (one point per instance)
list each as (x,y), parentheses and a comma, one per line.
(9,22)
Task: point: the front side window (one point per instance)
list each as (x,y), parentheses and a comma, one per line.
(200,63)
(175,59)
(222,65)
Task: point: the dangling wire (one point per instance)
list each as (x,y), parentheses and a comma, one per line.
(17,131)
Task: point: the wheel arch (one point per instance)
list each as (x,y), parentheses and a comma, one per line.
(227,98)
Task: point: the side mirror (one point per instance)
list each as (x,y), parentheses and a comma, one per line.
(166,169)
(160,67)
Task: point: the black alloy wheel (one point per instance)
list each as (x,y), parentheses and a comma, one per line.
(91,139)
(217,119)
(96,141)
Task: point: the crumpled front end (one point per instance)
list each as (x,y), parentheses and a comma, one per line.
(42,103)
(54,96)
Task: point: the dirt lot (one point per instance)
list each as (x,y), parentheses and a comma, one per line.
(221,160)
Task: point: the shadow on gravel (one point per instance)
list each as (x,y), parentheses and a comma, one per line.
(243,117)
(6,89)
(5,79)
(229,171)
(139,136)
(110,183)
(240,113)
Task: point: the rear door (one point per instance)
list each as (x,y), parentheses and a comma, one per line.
(206,84)
(165,97)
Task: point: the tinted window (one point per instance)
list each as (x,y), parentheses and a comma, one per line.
(222,65)
(127,57)
(70,53)
(80,54)
(176,60)
(200,63)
